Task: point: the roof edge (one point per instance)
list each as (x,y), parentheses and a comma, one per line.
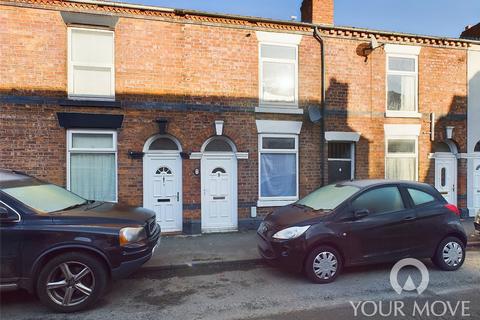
(253,19)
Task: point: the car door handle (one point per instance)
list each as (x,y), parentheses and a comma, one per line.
(409,218)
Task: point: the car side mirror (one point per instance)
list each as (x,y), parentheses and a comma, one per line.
(5,216)
(362,213)
(3,212)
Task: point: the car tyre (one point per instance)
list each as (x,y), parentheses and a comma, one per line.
(323,264)
(71,282)
(450,254)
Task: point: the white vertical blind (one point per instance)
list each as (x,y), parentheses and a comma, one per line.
(93,171)
(91,63)
(401,159)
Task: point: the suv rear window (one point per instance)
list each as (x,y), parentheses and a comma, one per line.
(420,197)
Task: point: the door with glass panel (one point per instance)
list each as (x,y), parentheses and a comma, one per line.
(92,164)
(217,193)
(219,186)
(162,181)
(476,183)
(340,161)
(445,177)
(164,191)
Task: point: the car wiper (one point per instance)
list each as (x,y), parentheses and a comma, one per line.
(298,205)
(73,206)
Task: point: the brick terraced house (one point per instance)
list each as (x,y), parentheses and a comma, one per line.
(212,120)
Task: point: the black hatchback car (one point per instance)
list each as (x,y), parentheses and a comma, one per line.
(362,222)
(65,248)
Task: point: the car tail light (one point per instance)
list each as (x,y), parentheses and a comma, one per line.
(453,208)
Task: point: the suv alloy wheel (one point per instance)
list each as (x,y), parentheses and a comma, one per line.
(71,281)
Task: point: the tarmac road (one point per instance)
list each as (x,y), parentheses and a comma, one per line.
(255,291)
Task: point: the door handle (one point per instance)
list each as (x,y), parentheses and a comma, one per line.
(409,218)
(178,196)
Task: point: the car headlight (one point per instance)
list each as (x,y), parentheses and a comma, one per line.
(290,233)
(132,235)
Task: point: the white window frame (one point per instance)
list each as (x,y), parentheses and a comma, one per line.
(281,40)
(407,52)
(401,155)
(71,150)
(72,65)
(262,60)
(277,201)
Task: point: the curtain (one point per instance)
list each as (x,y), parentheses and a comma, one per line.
(408,93)
(92,175)
(401,168)
(278,175)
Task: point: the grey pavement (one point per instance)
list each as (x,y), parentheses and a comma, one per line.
(257,292)
(187,251)
(175,252)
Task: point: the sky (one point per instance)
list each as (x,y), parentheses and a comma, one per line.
(446,18)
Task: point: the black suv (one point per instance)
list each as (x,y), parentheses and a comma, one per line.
(65,248)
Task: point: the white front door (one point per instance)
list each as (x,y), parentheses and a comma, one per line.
(446,177)
(218,182)
(476,184)
(163,190)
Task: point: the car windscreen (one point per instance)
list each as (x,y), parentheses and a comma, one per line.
(328,197)
(45,197)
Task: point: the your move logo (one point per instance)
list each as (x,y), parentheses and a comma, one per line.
(409,285)
(410,308)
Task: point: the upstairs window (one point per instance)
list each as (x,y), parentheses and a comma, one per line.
(402,78)
(278,74)
(91,73)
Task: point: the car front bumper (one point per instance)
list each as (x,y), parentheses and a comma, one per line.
(133,260)
(288,254)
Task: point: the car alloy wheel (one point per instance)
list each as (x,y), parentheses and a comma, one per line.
(452,254)
(70,283)
(325,265)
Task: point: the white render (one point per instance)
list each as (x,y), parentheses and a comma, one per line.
(342,136)
(279,126)
(473,132)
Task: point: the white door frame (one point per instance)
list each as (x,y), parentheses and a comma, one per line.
(232,156)
(451,157)
(150,155)
(471,188)
(211,156)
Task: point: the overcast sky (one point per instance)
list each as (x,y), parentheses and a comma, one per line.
(430,17)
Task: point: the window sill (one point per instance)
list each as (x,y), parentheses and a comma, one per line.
(403,114)
(90,103)
(273,109)
(274,203)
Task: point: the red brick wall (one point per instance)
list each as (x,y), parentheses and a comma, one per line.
(356,101)
(156,61)
(318,11)
(212,65)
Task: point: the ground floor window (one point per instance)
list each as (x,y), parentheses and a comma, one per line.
(401,158)
(278,157)
(92,164)
(340,161)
